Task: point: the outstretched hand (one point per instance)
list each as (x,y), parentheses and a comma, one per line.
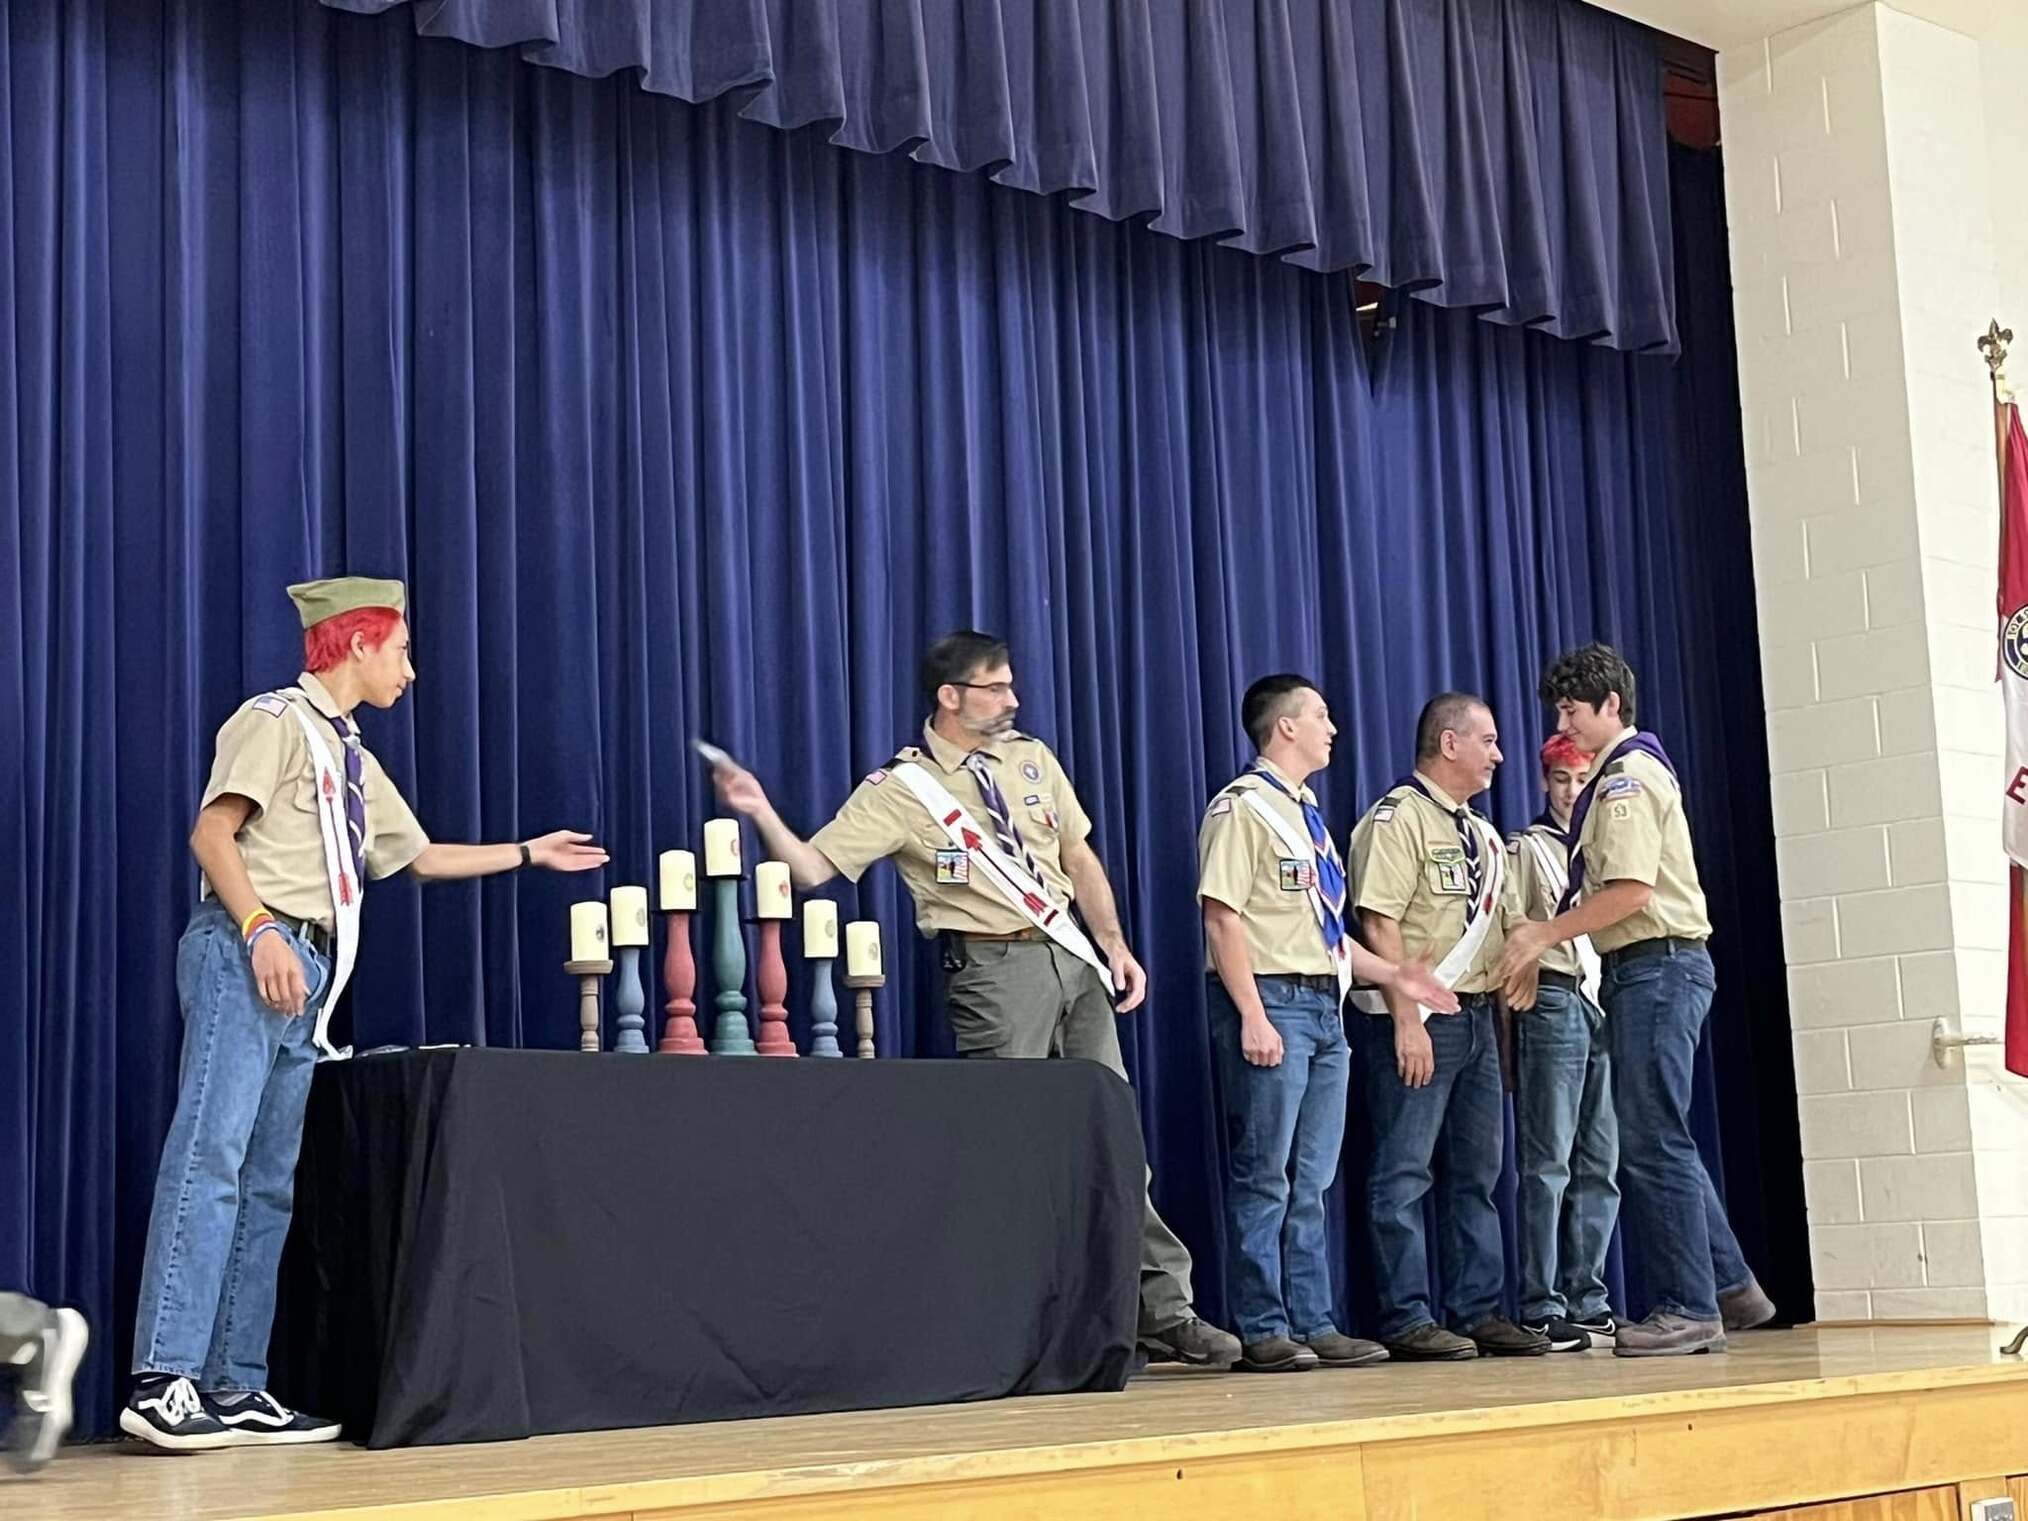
(566,850)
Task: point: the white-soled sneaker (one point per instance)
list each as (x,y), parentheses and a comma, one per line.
(46,1370)
(261,1420)
(169,1413)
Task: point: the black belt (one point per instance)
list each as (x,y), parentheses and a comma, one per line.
(1665,945)
(1564,980)
(309,931)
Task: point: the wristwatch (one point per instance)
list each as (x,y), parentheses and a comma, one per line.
(526,858)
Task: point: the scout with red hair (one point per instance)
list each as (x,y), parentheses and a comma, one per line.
(1566,1136)
(297,817)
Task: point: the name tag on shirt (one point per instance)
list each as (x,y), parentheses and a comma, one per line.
(954,868)
(1296,876)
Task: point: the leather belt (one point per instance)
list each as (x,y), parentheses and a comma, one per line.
(1030,933)
(1565,980)
(1665,945)
(309,931)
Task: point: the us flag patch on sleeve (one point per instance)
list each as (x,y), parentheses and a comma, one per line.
(272,705)
(875,778)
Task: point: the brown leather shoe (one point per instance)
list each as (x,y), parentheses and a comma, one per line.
(1192,1341)
(1428,1343)
(1275,1354)
(1497,1336)
(1335,1349)
(1666,1334)
(1746,1306)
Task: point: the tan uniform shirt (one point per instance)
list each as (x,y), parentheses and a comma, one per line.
(883,818)
(1247,866)
(263,756)
(1536,893)
(1408,863)
(1636,831)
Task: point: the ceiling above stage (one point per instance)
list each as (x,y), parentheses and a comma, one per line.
(1723,24)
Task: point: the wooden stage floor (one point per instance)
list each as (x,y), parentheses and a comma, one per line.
(1784,1418)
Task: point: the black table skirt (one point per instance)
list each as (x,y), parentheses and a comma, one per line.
(493,1244)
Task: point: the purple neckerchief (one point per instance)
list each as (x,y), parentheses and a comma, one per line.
(1643,742)
(1547,820)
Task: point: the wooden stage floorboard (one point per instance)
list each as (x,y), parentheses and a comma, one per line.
(1786,1417)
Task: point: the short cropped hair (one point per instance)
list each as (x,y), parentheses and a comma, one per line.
(1268,701)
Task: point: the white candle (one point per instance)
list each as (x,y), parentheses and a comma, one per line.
(588,932)
(820,928)
(862,948)
(721,847)
(771,898)
(630,916)
(679,880)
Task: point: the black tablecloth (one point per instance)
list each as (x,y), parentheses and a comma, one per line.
(494,1244)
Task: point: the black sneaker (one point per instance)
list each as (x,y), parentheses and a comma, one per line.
(46,1367)
(261,1420)
(168,1411)
(1192,1341)
(1562,1335)
(1600,1327)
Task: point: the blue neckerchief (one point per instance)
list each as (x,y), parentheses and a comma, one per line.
(1330,870)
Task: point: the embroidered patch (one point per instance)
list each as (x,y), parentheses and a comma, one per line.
(1449,878)
(1296,876)
(1383,813)
(1622,810)
(875,778)
(1032,799)
(272,705)
(954,868)
(1447,852)
(1620,786)
(1220,805)
(1032,771)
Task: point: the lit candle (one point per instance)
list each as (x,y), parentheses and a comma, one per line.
(679,880)
(771,898)
(862,948)
(588,932)
(820,928)
(630,916)
(721,847)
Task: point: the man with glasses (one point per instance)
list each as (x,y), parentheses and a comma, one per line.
(994,847)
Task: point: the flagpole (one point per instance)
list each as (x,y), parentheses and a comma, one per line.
(1994,347)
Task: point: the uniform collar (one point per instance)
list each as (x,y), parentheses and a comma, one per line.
(1438,794)
(320,696)
(1298,790)
(949,756)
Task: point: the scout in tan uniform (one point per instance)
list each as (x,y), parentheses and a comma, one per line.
(1566,1138)
(1279,958)
(1022,978)
(297,816)
(1634,891)
(1430,882)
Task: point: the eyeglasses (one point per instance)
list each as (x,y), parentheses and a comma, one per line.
(997,688)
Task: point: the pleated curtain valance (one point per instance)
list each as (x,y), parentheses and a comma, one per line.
(1503,155)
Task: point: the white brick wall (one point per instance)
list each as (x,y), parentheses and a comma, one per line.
(1864,267)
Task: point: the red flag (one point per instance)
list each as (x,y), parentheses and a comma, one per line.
(2013,610)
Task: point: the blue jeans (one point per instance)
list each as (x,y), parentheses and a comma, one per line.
(1656,1006)
(228,1173)
(1455,1120)
(1279,1268)
(1567,1143)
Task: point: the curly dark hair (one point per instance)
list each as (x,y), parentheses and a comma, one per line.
(1590,675)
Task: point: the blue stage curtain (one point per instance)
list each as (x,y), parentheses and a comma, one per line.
(1503,155)
(679,425)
